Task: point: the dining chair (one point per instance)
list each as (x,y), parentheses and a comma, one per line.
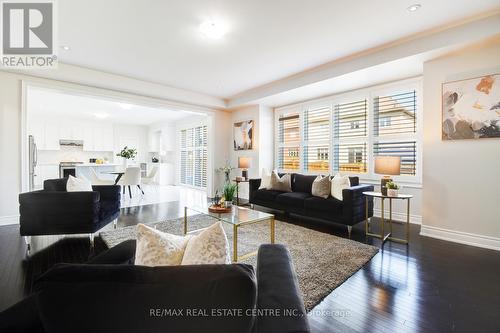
(131,177)
(95,180)
(150,179)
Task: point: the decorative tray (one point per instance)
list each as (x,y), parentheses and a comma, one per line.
(219,209)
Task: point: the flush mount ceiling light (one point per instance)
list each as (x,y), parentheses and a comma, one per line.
(101,115)
(414,7)
(212,29)
(65,47)
(126,106)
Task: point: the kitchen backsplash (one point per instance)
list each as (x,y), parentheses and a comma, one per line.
(71,154)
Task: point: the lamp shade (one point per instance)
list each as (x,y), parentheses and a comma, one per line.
(388,165)
(244,162)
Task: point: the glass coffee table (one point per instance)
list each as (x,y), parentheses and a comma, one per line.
(238,217)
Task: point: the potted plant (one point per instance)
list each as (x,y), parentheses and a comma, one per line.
(228,192)
(127,154)
(392,189)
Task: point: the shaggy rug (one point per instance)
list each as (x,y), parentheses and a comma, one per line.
(322,261)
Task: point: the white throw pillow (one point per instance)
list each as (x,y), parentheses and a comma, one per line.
(78,185)
(283,184)
(208,247)
(338,184)
(265,179)
(156,248)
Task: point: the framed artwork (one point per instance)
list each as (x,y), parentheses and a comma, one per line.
(471,108)
(243,135)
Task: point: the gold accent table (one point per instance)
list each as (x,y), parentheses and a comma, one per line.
(238,181)
(238,217)
(382,234)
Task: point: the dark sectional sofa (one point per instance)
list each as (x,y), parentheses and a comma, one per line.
(350,211)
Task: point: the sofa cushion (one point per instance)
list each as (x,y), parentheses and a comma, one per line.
(266,195)
(330,205)
(302,183)
(354,181)
(293,198)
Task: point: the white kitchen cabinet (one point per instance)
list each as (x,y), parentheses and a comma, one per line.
(88,138)
(70,130)
(154,141)
(98,138)
(37,130)
(44,172)
(52,136)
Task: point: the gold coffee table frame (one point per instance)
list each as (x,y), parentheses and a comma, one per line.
(382,234)
(252,216)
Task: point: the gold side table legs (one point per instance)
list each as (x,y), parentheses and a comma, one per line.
(382,234)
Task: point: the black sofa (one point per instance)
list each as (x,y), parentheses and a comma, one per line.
(54,211)
(350,211)
(110,295)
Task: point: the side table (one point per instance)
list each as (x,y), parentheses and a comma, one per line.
(382,234)
(238,181)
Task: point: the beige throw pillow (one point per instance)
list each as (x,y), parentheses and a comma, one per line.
(280,184)
(338,184)
(156,248)
(321,187)
(210,246)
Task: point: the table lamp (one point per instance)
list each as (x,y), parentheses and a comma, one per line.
(387,166)
(244,164)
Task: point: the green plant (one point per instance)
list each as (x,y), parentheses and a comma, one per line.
(392,186)
(128,153)
(228,191)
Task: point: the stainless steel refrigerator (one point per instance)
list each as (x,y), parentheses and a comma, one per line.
(32,161)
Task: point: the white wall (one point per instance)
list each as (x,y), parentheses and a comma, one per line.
(461,178)
(132,136)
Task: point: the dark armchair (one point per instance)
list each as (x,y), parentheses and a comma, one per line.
(54,211)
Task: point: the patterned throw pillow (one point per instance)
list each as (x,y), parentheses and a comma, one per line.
(321,187)
(78,185)
(210,246)
(339,183)
(283,184)
(156,248)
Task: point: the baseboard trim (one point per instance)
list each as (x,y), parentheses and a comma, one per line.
(487,242)
(397,216)
(6,220)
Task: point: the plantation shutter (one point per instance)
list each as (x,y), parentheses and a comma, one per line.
(395,114)
(317,139)
(194,153)
(289,142)
(350,133)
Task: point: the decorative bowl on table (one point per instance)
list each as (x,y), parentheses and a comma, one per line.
(219,209)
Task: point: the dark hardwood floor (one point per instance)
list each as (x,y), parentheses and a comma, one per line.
(428,286)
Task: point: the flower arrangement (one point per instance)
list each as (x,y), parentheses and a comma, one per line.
(128,153)
(226,170)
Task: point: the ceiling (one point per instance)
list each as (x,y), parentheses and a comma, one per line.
(59,104)
(159,41)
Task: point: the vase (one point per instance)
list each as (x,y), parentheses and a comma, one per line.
(125,163)
(392,192)
(227,177)
(228,204)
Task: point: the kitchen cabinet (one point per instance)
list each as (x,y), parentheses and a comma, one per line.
(98,138)
(70,130)
(51,136)
(154,141)
(44,172)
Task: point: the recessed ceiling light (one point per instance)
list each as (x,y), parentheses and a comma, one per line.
(212,29)
(65,47)
(101,115)
(414,7)
(126,106)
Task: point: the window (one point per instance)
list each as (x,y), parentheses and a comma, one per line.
(350,136)
(316,122)
(289,141)
(344,133)
(395,127)
(194,153)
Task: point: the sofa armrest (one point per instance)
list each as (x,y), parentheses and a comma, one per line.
(253,185)
(52,212)
(108,192)
(22,317)
(354,209)
(277,289)
(122,253)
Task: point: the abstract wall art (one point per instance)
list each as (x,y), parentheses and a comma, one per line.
(471,108)
(243,135)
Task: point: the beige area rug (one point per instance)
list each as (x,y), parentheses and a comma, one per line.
(322,261)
